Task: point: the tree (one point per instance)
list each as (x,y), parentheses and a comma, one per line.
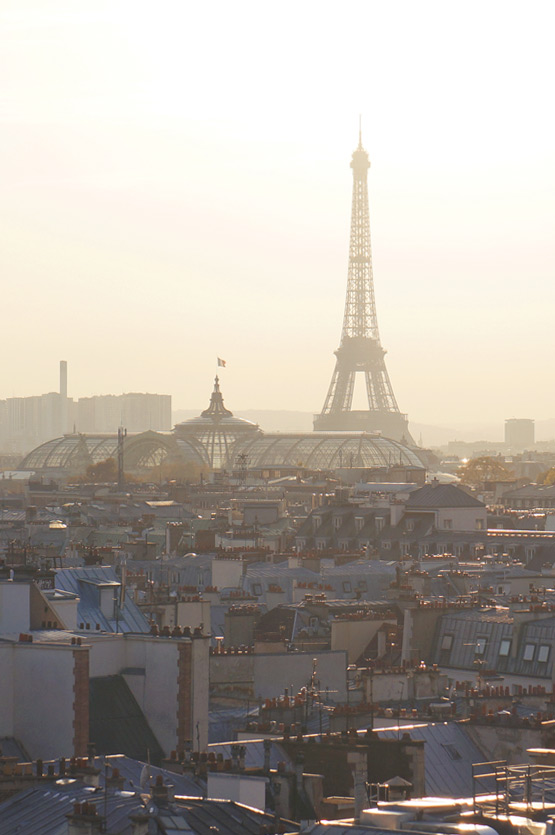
(479,470)
(102,472)
(176,469)
(547,478)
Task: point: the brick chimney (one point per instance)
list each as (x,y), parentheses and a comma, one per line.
(84,820)
(139,824)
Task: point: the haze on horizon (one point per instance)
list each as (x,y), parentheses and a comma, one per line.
(176,187)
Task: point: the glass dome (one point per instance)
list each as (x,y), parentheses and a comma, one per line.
(218,431)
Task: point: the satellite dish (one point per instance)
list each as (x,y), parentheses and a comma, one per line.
(145,780)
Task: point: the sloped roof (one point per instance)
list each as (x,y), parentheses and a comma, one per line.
(117,723)
(82,581)
(449,755)
(441,495)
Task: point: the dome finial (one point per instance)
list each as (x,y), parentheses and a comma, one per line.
(216,409)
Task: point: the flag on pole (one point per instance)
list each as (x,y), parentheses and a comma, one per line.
(221,362)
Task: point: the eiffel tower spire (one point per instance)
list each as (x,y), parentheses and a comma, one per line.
(360,350)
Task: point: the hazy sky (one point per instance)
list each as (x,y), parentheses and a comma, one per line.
(175,185)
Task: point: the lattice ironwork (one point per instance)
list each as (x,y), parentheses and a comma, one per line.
(360,350)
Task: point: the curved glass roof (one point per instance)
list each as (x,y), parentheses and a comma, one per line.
(67,451)
(141,451)
(325,451)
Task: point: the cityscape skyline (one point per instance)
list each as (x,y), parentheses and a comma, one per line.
(167,229)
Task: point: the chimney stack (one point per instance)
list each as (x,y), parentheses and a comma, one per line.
(63,378)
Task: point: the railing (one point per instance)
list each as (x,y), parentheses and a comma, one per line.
(499,788)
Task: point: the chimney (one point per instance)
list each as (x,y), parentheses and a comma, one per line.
(139,824)
(84,820)
(357,761)
(63,378)
(115,780)
(161,792)
(267,751)
(299,769)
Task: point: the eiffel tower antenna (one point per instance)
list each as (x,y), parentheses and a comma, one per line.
(360,350)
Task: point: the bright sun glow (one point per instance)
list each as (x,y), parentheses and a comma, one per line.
(179,172)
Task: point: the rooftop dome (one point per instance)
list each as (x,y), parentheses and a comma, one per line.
(218,430)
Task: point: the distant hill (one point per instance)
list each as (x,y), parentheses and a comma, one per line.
(283,420)
(269,420)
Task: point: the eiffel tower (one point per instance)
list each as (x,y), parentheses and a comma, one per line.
(360,350)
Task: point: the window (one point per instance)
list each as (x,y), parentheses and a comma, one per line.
(380,522)
(480,525)
(386,546)
(543,653)
(447,642)
(347,585)
(480,647)
(529,651)
(504,647)
(410,525)
(448,524)
(256,588)
(451,750)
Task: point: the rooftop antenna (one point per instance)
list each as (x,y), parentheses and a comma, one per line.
(359,130)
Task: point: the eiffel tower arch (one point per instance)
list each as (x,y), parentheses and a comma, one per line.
(360,350)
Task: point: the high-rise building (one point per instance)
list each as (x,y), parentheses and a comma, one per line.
(360,350)
(136,411)
(26,422)
(520,433)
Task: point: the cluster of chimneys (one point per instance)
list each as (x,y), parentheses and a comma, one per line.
(85,809)
(449,604)
(365,614)
(243,649)
(496,692)
(177,631)
(244,609)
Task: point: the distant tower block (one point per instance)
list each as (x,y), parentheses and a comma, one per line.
(360,351)
(63,403)
(520,433)
(63,378)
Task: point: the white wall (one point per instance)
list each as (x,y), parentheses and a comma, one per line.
(6,690)
(275,671)
(43,712)
(191,613)
(248,790)
(227,573)
(107,654)
(157,692)
(201,679)
(66,610)
(15,610)
(462,518)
